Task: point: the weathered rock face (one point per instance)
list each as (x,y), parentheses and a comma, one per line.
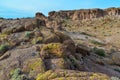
(40,19)
(84,13)
(55,19)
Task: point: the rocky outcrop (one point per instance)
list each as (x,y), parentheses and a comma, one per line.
(40,19)
(55,19)
(36,48)
(84,13)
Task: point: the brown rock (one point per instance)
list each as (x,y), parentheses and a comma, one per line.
(29,26)
(37,33)
(40,19)
(84,13)
(40,16)
(58,63)
(51,39)
(116,58)
(33,67)
(82,50)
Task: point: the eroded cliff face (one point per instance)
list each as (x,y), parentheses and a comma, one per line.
(85,13)
(55,19)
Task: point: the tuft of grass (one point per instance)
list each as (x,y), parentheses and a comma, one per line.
(100,52)
(96,42)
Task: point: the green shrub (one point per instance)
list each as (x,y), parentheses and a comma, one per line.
(4,47)
(17,75)
(114,78)
(100,52)
(28,34)
(96,42)
(117,70)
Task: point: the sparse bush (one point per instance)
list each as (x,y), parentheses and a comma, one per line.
(114,78)
(17,75)
(99,52)
(28,34)
(96,42)
(118,70)
(3,48)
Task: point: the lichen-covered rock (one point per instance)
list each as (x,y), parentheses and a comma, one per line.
(52,49)
(71,75)
(37,40)
(33,67)
(14,59)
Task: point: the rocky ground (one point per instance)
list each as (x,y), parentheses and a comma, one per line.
(66,45)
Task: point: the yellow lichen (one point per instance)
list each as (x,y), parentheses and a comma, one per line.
(3,36)
(37,40)
(53,48)
(44,76)
(34,65)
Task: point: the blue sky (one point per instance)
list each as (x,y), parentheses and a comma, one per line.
(28,8)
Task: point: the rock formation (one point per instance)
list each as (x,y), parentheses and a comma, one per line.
(84,13)
(39,49)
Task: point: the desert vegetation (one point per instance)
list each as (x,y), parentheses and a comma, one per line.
(63,46)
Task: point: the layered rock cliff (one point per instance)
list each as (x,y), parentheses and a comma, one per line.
(85,13)
(55,19)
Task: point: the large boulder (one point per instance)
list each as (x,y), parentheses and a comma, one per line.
(40,19)
(58,63)
(33,67)
(14,59)
(52,50)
